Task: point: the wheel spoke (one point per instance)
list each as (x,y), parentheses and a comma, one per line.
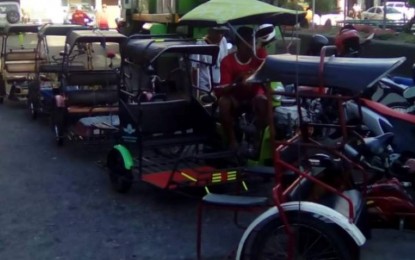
(310,244)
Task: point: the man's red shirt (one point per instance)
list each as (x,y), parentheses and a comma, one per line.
(79,17)
(231,69)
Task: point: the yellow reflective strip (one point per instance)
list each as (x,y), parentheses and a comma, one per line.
(244,185)
(207,190)
(188,176)
(231,175)
(216,177)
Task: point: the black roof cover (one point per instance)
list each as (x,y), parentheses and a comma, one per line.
(59,29)
(354,74)
(21,28)
(148,50)
(94,36)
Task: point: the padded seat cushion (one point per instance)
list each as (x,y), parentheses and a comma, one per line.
(56,67)
(234,200)
(91,97)
(20,66)
(104,78)
(21,55)
(109,121)
(91,110)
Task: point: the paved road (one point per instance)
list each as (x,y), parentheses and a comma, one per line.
(56,203)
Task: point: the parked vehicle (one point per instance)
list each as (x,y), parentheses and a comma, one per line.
(87,8)
(46,84)
(402,7)
(377,200)
(162,125)
(377,13)
(18,62)
(10,12)
(86,106)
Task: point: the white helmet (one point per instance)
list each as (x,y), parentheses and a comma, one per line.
(265,33)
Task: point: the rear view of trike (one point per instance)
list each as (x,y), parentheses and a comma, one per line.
(18,60)
(341,190)
(50,45)
(85,106)
(165,133)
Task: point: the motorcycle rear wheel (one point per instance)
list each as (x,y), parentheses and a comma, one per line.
(314,239)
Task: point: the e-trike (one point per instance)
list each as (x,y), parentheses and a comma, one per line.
(85,106)
(327,210)
(18,60)
(47,74)
(165,134)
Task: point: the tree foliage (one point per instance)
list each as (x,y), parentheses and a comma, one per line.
(326,6)
(322,6)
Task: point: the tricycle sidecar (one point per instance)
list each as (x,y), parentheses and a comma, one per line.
(316,196)
(47,74)
(163,128)
(85,106)
(303,203)
(19,60)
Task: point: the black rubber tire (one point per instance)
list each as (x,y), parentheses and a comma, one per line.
(121,179)
(13,16)
(306,227)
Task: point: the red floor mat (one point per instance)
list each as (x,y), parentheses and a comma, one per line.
(199,176)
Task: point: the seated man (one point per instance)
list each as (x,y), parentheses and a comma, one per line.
(235,95)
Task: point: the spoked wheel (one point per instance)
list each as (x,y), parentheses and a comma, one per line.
(121,178)
(13,16)
(314,240)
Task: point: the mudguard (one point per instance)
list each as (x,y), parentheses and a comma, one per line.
(319,211)
(126,156)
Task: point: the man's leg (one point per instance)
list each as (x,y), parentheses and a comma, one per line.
(227,114)
(260,107)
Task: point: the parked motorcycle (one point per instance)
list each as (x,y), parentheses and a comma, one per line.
(388,90)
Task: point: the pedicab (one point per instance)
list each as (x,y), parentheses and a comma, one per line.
(326,212)
(47,74)
(253,13)
(85,106)
(18,61)
(165,132)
